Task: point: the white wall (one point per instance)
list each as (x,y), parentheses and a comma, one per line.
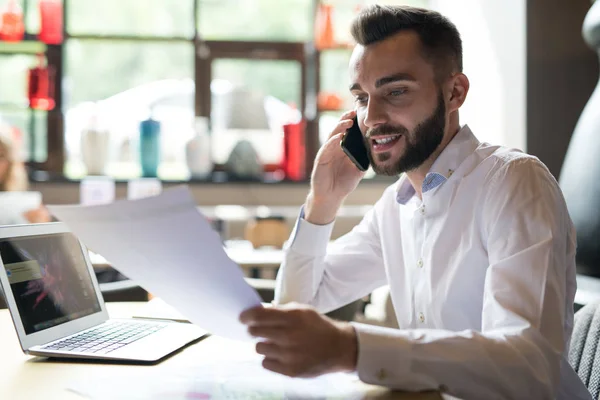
(494,56)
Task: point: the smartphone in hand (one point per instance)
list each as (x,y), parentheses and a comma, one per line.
(353,145)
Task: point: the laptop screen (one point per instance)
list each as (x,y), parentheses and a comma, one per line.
(49,279)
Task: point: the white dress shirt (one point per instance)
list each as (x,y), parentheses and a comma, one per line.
(481,273)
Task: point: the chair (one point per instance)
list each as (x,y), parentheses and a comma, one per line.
(584,354)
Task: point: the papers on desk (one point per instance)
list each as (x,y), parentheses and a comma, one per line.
(166,246)
(224,380)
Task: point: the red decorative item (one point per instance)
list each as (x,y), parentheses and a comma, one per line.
(327,101)
(40,89)
(293,151)
(12,28)
(324,35)
(51,21)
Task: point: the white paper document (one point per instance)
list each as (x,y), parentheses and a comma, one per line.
(227,380)
(168,247)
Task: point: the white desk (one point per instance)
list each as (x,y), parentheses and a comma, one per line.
(24,377)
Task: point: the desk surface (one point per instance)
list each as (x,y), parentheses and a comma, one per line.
(26,377)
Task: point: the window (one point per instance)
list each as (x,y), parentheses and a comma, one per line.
(258,20)
(249,100)
(141,18)
(142,79)
(123,61)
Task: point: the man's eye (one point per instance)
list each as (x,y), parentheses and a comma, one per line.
(360,100)
(396,93)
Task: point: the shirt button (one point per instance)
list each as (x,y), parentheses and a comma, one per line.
(420,263)
(422,210)
(421,317)
(381,375)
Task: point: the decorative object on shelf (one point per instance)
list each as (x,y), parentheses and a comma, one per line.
(293,151)
(581,166)
(12,28)
(51,21)
(324,34)
(198,150)
(40,85)
(150,147)
(143,187)
(327,101)
(94,146)
(243,162)
(267,231)
(95,190)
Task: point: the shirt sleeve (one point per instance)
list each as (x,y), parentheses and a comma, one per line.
(330,275)
(518,353)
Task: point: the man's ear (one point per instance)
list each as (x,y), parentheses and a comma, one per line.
(458,87)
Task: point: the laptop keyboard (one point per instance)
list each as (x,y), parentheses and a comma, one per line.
(107,337)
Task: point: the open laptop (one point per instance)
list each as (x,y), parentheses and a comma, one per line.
(57,308)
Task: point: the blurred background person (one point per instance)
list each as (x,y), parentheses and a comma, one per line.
(13,178)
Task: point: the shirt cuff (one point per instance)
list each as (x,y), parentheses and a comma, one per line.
(310,239)
(383,356)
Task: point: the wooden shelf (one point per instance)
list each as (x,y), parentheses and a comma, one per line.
(338,46)
(31,47)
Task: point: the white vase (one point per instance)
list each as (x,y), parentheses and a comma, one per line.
(198,151)
(94,150)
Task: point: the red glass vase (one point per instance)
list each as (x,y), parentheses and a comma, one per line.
(293,151)
(51,21)
(12,28)
(324,35)
(40,88)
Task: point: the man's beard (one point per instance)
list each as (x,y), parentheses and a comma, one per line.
(419,145)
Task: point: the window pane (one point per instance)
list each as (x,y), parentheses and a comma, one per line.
(24,122)
(251,100)
(270,20)
(131,17)
(345,10)
(13,78)
(335,79)
(128,81)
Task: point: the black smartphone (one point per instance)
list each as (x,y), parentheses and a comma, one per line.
(353,145)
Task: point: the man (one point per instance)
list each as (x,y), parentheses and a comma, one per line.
(474,240)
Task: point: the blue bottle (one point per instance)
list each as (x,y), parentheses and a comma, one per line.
(149,147)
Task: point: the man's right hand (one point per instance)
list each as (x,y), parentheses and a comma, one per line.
(333,178)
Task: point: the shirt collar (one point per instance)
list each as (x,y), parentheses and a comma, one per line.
(460,147)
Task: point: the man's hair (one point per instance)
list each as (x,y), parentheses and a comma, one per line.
(440,40)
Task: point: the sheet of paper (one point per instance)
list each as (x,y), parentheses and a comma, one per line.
(166,246)
(226,380)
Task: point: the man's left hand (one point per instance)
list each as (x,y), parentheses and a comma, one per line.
(300,342)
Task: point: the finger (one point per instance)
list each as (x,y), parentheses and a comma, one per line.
(271,350)
(341,127)
(278,366)
(348,114)
(261,316)
(336,138)
(250,315)
(275,335)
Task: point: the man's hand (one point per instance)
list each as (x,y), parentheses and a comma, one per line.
(300,342)
(333,178)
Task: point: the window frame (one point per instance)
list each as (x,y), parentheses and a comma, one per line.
(206,51)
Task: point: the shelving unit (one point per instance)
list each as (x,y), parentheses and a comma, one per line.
(30,45)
